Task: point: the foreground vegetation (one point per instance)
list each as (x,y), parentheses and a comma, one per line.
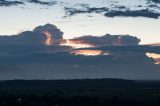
(93,92)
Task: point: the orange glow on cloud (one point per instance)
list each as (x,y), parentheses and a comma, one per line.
(80,44)
(89,52)
(49,39)
(76,44)
(155,56)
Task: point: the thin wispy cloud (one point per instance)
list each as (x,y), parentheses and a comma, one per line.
(136,13)
(48,3)
(155,1)
(116,11)
(6,3)
(149,9)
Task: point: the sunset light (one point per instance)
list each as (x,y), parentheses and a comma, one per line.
(79,53)
(49,39)
(155,56)
(77,44)
(89,52)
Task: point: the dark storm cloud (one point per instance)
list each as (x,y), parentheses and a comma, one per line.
(113,12)
(48,3)
(129,48)
(27,37)
(124,62)
(6,3)
(24,57)
(109,40)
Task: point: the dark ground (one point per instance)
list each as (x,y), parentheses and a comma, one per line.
(87,92)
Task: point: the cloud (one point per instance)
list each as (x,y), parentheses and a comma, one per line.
(39,36)
(130,13)
(6,3)
(116,11)
(48,3)
(57,34)
(129,62)
(155,1)
(74,11)
(50,35)
(153,4)
(108,40)
(24,56)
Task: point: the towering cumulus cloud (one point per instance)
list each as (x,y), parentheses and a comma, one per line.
(50,35)
(52,29)
(47,34)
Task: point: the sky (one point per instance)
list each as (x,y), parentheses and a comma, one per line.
(21,17)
